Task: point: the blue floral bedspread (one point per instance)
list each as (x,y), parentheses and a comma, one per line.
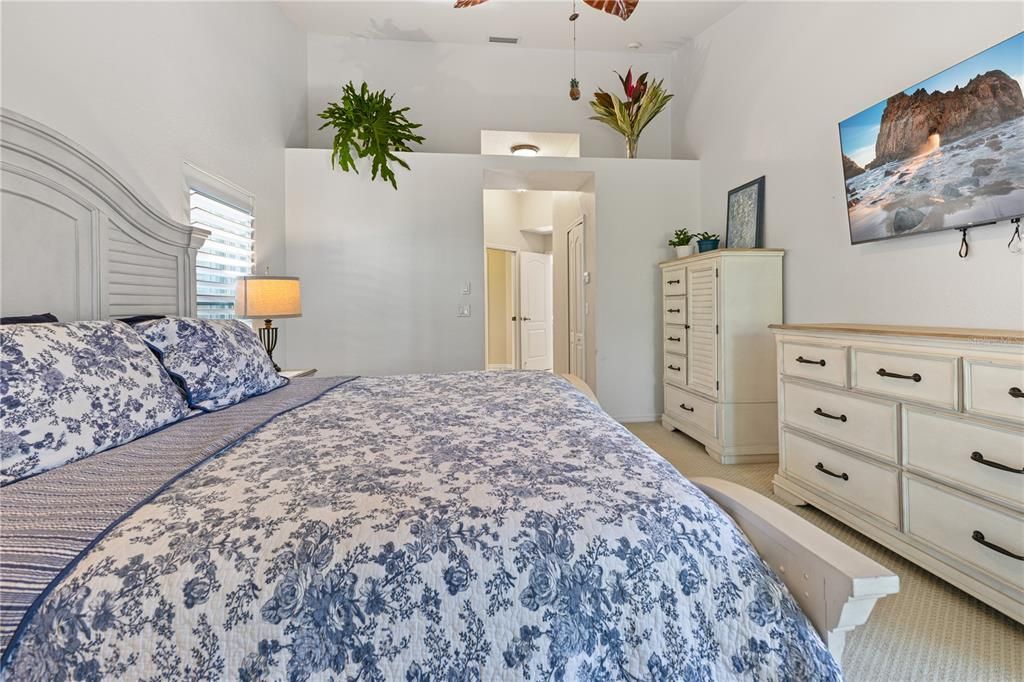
(470,526)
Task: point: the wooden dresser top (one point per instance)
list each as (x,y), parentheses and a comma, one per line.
(1010,336)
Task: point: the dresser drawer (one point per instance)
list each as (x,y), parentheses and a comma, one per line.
(826,364)
(925,378)
(965,451)
(860,422)
(673,282)
(873,488)
(687,407)
(990,389)
(953,523)
(675,310)
(675,339)
(675,369)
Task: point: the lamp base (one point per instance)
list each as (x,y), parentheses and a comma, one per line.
(268,337)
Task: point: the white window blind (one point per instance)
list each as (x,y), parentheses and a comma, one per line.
(225,256)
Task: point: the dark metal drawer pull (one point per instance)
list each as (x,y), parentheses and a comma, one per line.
(688,409)
(686,326)
(1016,393)
(675,338)
(822,413)
(672,281)
(977,457)
(821,467)
(913,377)
(804,360)
(979,537)
(674,368)
(674,310)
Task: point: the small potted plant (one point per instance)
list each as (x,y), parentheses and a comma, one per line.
(682,240)
(707,242)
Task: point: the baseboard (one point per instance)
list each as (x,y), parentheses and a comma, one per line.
(637,419)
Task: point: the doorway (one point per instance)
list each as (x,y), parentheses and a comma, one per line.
(551,215)
(518,309)
(500,308)
(577,267)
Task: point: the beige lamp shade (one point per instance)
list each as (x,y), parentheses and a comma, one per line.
(268,297)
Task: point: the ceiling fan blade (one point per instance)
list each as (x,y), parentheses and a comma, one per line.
(459,4)
(620,8)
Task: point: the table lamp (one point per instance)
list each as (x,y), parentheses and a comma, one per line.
(269,297)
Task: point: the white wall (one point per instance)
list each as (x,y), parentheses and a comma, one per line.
(507,212)
(146,86)
(457,90)
(766,87)
(383,270)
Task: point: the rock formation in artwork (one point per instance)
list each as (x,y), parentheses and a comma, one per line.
(909,120)
(850,168)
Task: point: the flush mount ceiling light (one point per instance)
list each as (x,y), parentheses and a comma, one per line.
(525,150)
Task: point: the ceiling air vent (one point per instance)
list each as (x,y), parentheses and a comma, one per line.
(503,40)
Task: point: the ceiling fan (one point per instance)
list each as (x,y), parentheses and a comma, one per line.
(620,8)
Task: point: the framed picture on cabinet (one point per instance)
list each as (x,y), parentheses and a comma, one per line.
(744,224)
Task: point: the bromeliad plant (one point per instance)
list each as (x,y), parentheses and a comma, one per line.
(629,117)
(367,125)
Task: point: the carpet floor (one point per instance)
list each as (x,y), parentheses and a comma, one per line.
(929,631)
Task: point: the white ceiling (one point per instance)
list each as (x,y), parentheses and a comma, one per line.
(660,25)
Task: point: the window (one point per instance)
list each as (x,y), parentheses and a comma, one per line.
(225,256)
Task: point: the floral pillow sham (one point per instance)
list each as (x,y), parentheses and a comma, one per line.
(217,362)
(69,390)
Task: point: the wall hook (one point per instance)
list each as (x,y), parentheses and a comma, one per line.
(1014,245)
(964,248)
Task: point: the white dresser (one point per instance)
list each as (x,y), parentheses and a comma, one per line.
(719,359)
(914,436)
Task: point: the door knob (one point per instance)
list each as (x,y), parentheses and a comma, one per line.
(525,319)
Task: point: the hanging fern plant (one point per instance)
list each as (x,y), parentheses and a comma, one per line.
(366,124)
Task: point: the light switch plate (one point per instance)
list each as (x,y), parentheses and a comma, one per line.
(463,310)
(467,288)
(586,278)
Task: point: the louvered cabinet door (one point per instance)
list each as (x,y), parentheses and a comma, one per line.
(702,337)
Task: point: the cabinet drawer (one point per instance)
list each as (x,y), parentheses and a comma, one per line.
(673,282)
(675,339)
(925,378)
(820,363)
(675,369)
(687,407)
(860,422)
(990,388)
(675,310)
(952,523)
(966,452)
(872,488)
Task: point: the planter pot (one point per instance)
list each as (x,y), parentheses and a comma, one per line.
(707,245)
(684,251)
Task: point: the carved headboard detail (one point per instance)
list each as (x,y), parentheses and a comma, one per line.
(75,241)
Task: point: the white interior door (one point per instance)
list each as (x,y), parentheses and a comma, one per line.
(536,315)
(577,303)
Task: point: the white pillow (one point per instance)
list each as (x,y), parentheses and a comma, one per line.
(68,390)
(217,362)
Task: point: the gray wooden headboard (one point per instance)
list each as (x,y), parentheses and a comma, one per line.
(75,241)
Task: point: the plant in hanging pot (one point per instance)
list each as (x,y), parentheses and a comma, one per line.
(367,124)
(707,242)
(682,241)
(643,102)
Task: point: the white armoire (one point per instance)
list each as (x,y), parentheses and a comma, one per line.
(719,355)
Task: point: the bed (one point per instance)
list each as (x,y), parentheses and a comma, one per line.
(476,525)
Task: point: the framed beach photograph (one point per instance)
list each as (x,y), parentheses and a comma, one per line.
(745,216)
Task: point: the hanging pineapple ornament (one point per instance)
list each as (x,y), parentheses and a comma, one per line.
(574,85)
